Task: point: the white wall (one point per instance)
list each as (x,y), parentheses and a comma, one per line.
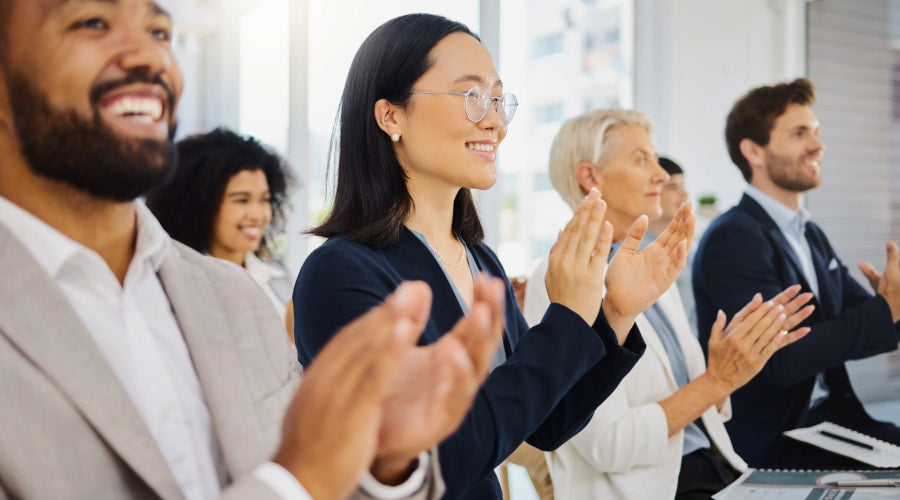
(694,59)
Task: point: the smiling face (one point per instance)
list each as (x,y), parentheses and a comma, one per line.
(793,157)
(631,181)
(92,87)
(243,216)
(439,147)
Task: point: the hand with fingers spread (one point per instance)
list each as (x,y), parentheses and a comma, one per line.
(435,385)
(330,432)
(636,279)
(738,352)
(888,284)
(578,259)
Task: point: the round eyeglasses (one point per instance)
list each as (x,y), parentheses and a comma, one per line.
(479,99)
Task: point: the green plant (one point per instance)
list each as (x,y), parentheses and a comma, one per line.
(707,199)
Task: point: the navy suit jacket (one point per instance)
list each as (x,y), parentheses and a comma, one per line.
(743,252)
(546,391)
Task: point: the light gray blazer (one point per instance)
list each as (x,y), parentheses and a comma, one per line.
(69,430)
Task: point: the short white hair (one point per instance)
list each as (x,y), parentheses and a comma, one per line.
(586,138)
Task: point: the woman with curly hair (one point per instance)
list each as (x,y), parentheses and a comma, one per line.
(227,199)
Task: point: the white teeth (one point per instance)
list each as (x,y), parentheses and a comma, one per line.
(145,109)
(252,231)
(477,146)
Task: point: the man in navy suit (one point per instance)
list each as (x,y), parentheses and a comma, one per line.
(766,243)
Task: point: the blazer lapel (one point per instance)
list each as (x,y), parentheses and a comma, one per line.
(36,317)
(827,291)
(413,261)
(671,304)
(511,333)
(213,345)
(654,344)
(750,206)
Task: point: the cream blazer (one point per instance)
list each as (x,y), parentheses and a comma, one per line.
(624,452)
(69,428)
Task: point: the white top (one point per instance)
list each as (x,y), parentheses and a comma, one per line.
(625,451)
(135,328)
(263,274)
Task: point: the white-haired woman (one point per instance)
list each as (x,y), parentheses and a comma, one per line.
(661,433)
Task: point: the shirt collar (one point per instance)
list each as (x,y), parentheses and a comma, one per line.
(153,242)
(52,249)
(257,268)
(784,217)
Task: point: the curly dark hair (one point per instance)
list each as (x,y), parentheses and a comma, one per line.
(753,116)
(187,205)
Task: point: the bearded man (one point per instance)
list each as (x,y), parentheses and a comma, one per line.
(768,242)
(132,366)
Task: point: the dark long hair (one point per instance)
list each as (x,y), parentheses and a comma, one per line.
(371,201)
(187,205)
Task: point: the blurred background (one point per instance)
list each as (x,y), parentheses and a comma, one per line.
(275,69)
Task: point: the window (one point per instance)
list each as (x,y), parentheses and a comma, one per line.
(595,71)
(547,45)
(548,113)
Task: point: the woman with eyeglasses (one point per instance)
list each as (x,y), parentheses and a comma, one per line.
(422,115)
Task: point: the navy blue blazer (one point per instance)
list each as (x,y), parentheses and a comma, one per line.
(546,391)
(743,252)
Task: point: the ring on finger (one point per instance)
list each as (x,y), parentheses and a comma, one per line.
(783,332)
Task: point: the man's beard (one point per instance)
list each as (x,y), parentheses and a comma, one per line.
(788,175)
(86,153)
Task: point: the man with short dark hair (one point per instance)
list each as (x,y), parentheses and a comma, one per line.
(133,367)
(767,242)
(671,197)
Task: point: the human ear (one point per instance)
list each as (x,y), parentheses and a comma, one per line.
(389,117)
(751,151)
(587,177)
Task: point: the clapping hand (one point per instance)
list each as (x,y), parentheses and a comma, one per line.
(636,279)
(330,431)
(738,352)
(436,384)
(888,284)
(578,259)
(372,399)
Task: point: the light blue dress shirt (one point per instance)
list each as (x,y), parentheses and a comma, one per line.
(793,226)
(694,437)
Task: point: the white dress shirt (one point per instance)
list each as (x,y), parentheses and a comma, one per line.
(263,274)
(135,328)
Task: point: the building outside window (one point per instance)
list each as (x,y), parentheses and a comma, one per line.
(591,66)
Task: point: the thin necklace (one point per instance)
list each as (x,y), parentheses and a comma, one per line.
(448,265)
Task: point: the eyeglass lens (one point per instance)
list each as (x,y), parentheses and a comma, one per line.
(478,99)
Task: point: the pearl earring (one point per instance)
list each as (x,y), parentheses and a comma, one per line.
(395,137)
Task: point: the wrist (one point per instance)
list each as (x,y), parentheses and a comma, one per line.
(315,484)
(392,471)
(717,388)
(620,323)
